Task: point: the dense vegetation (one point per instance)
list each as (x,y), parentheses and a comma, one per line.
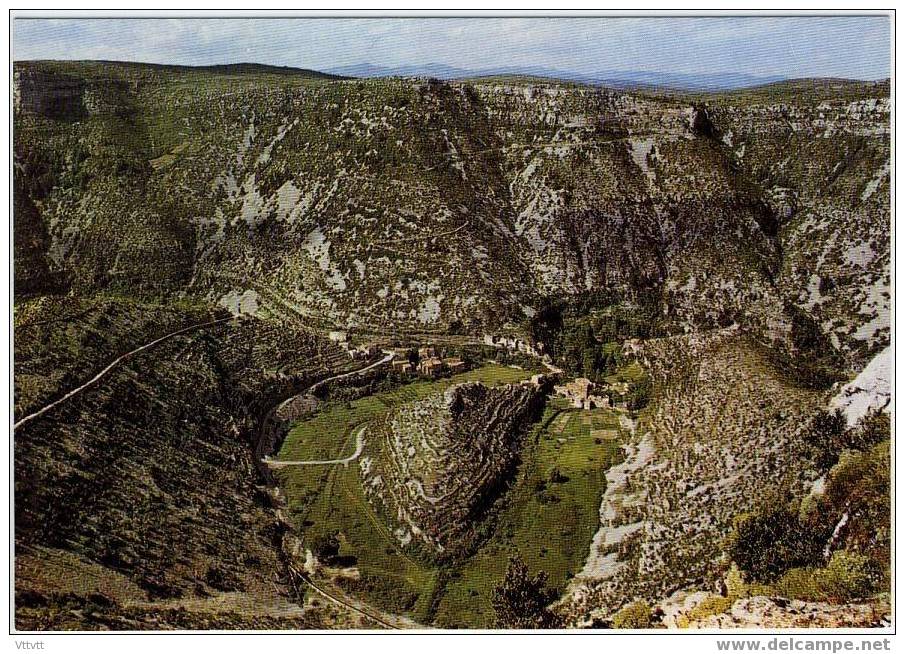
(836,544)
(521,601)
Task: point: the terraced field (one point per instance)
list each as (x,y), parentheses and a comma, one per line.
(329,499)
(548,517)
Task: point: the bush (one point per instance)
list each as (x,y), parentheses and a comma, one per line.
(325,547)
(712,605)
(848,576)
(637,615)
(557,477)
(829,434)
(766,545)
(798,583)
(874,428)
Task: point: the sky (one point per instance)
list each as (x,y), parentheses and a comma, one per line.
(842,46)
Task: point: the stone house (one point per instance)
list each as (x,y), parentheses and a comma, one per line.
(402,366)
(455,365)
(430,367)
(581,393)
(338,336)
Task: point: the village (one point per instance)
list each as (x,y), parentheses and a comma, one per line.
(424,361)
(427,362)
(581,392)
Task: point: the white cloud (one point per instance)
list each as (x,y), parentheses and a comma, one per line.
(791,46)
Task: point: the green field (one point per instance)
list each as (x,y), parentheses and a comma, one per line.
(550,523)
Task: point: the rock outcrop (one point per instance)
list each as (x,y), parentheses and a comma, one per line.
(781,613)
(438,465)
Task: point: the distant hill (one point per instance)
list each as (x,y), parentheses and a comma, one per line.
(241,68)
(629,80)
(612,78)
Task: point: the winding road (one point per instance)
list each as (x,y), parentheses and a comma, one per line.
(297,575)
(339,601)
(113,365)
(262,448)
(359,446)
(386,359)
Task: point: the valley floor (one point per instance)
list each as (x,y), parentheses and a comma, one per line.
(546,518)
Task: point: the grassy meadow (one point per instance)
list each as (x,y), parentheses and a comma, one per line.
(548,517)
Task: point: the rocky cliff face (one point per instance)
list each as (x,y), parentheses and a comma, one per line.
(421,204)
(822,160)
(438,465)
(44,93)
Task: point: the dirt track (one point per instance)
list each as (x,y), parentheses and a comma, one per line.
(112,365)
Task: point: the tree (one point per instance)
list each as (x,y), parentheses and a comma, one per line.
(521,601)
(639,394)
(813,361)
(828,435)
(325,547)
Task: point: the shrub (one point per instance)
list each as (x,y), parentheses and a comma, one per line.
(874,428)
(766,545)
(637,615)
(325,547)
(798,583)
(557,477)
(712,605)
(848,576)
(812,361)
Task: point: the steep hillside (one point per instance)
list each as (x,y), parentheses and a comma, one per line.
(141,492)
(439,464)
(731,251)
(821,155)
(424,204)
(727,431)
(729,435)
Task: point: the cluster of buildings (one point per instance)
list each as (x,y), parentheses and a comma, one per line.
(582,393)
(431,365)
(515,344)
(358,353)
